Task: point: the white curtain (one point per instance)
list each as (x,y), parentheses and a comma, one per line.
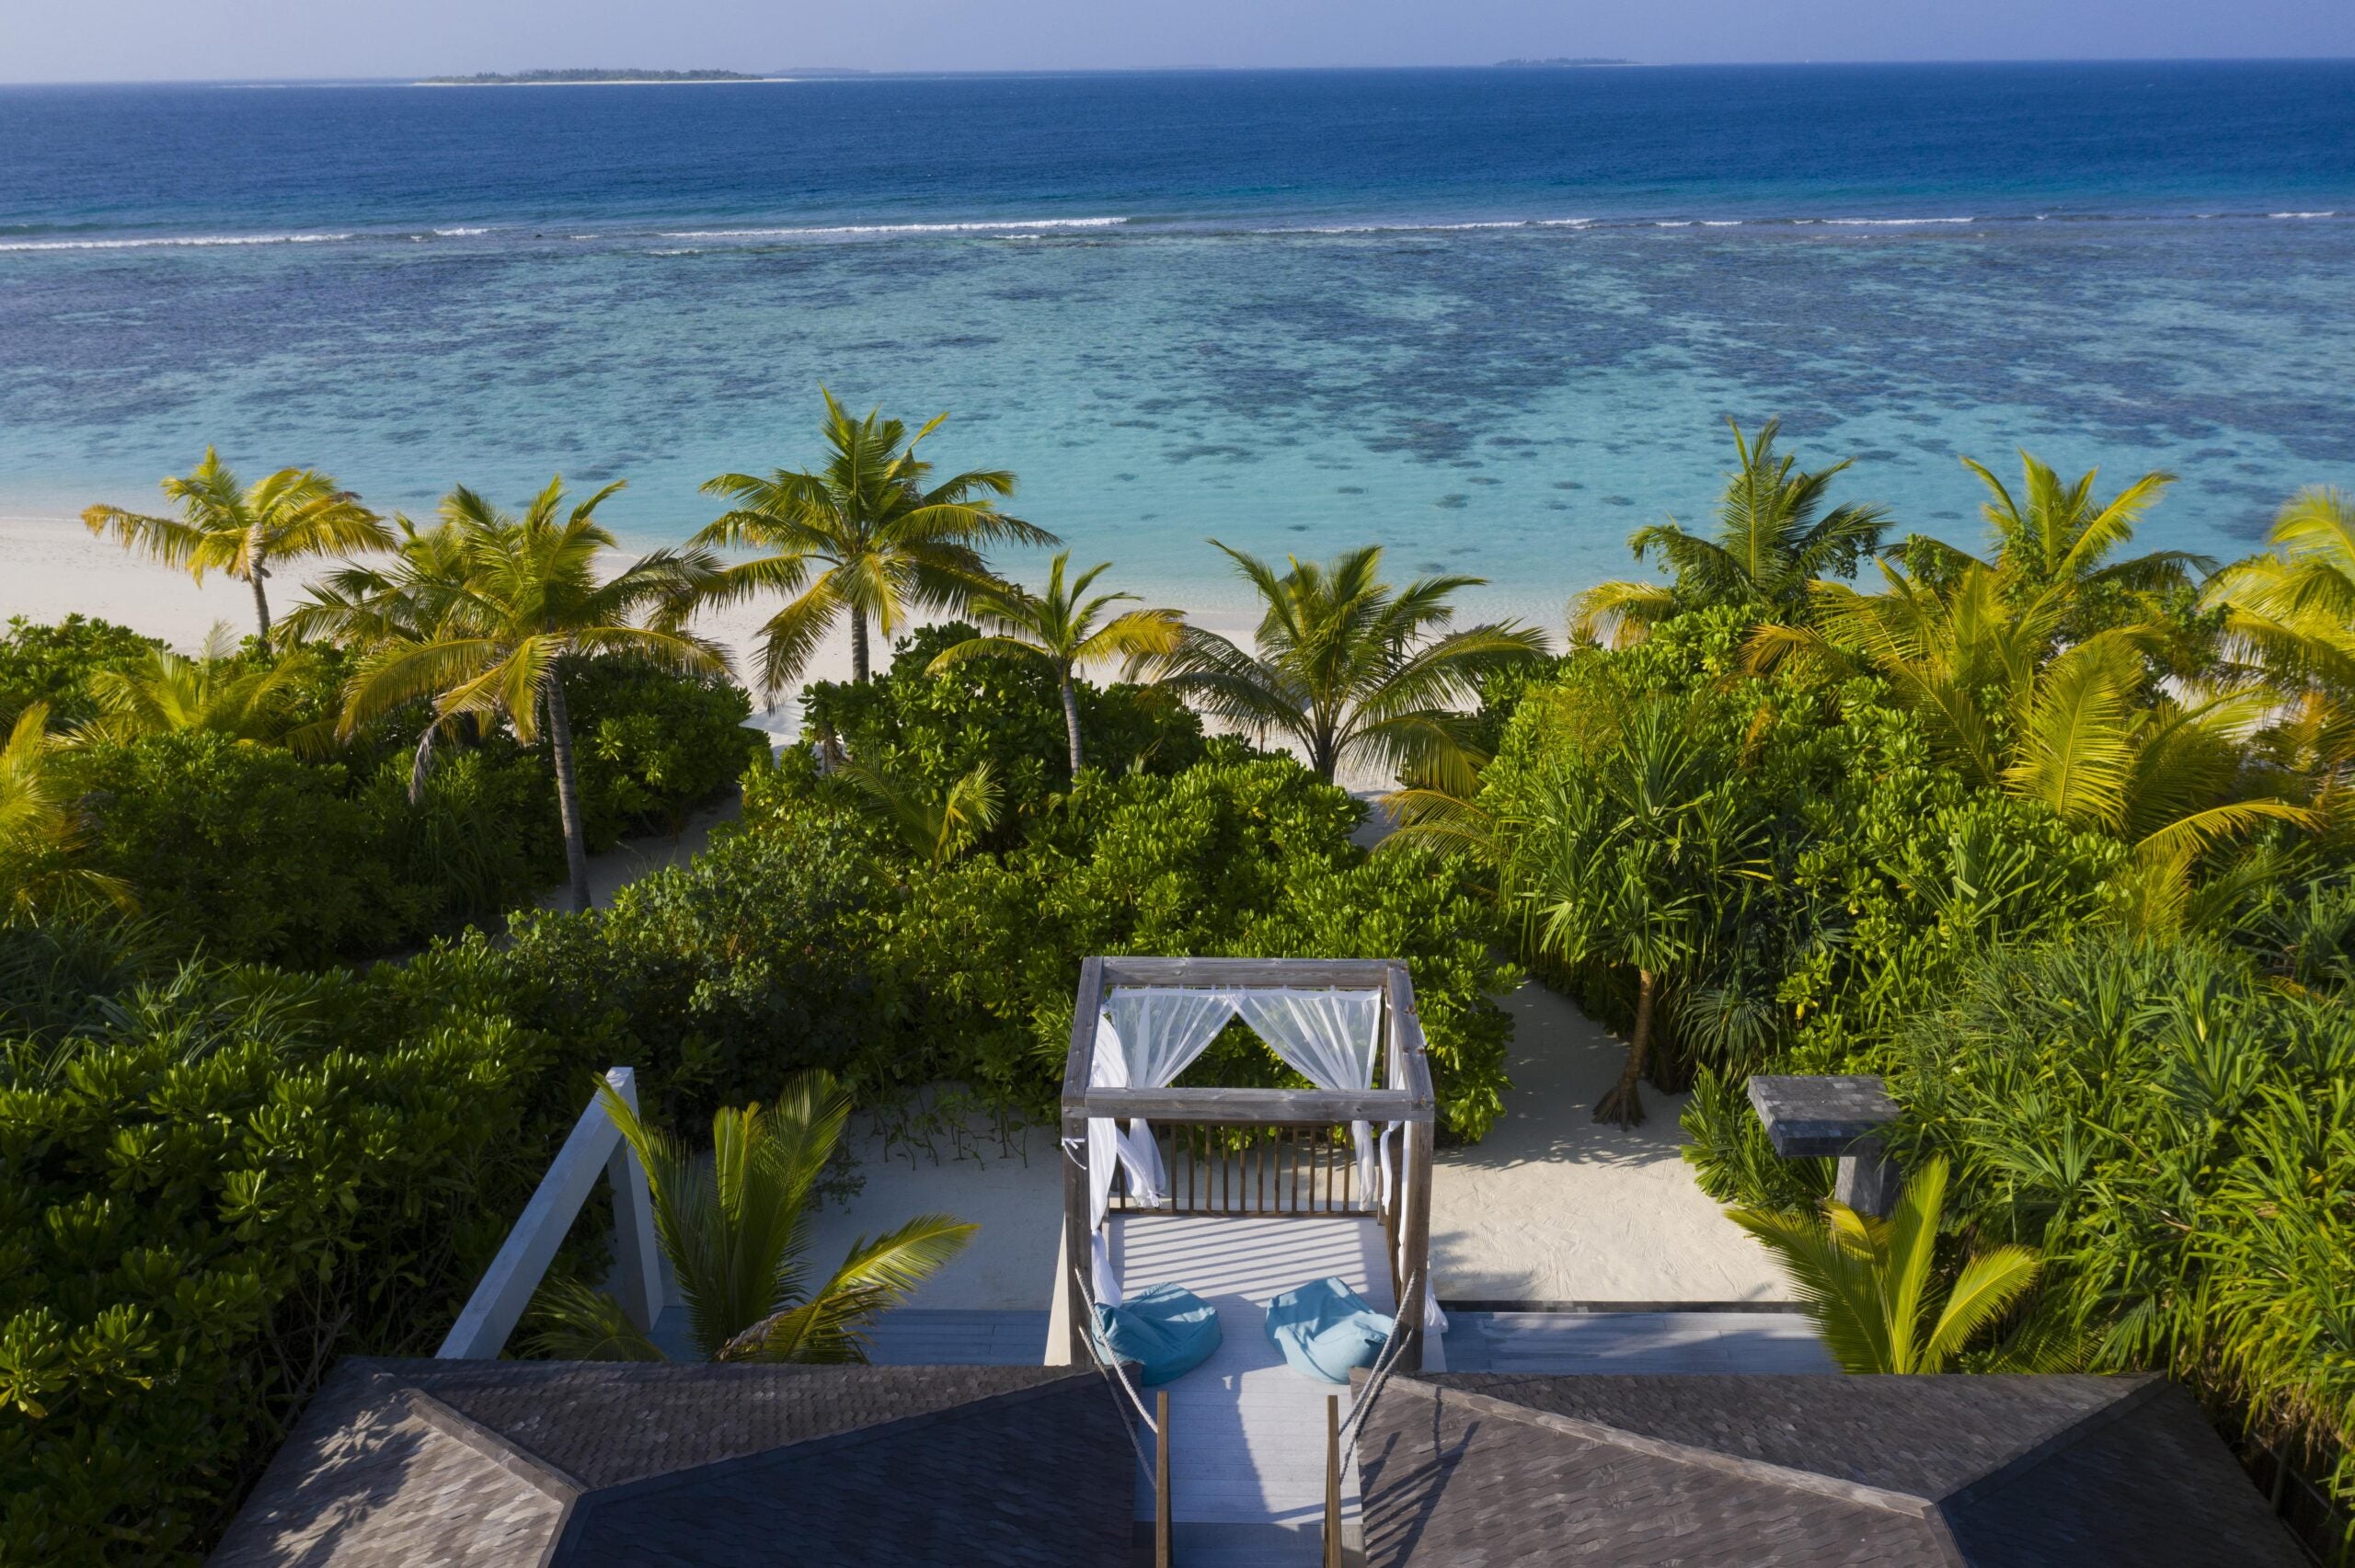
(1145,1038)
(1332,1038)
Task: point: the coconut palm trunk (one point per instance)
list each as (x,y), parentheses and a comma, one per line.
(257,548)
(568,794)
(1071,720)
(858,664)
(1625,1103)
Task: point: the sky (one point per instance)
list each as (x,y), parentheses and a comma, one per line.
(88,41)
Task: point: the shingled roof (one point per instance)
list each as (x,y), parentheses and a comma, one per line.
(1982,1472)
(494,1463)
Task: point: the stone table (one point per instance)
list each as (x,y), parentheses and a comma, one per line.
(1833,1116)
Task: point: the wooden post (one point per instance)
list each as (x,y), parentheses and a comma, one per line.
(1332,1481)
(1415,1243)
(1077,1234)
(1162,1530)
(637,1268)
(1078,1256)
(506,1286)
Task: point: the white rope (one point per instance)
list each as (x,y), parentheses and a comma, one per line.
(1102,1368)
(1109,1363)
(1411,1298)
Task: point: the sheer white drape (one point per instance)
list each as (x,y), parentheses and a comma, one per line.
(1146,1036)
(1332,1038)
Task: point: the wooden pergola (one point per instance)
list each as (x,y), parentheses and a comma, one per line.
(1293,1145)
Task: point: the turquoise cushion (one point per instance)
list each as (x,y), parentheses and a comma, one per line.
(1165,1329)
(1325,1329)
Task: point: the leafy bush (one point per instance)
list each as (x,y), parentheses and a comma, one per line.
(1237,857)
(1882,875)
(316,854)
(653,746)
(243,850)
(1005,712)
(52,664)
(728,974)
(236,1177)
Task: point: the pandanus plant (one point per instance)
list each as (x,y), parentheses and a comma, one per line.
(735,1225)
(1638,859)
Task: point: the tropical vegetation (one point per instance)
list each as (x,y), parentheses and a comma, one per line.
(1064,630)
(1869,1284)
(1349,670)
(525,603)
(2053,836)
(735,1225)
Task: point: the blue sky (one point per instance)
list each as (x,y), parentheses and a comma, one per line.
(53,40)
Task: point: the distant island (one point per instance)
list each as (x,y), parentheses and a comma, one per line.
(596,76)
(1559,60)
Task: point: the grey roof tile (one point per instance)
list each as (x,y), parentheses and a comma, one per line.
(502,1464)
(1985,1472)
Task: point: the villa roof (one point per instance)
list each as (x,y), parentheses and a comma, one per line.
(493,1463)
(1982,1472)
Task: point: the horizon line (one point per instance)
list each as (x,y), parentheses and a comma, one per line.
(806,75)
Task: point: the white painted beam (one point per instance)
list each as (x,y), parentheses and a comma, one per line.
(593,1147)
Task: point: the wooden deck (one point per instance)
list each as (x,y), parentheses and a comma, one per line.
(1248,1432)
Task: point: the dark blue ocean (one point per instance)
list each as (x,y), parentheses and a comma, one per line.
(1494,319)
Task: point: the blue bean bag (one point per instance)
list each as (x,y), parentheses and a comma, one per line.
(1165,1329)
(1325,1329)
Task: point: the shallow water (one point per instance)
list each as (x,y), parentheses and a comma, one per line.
(1492,319)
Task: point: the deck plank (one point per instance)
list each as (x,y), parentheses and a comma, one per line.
(1247,1433)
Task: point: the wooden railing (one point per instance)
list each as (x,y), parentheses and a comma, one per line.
(1272,1169)
(593,1150)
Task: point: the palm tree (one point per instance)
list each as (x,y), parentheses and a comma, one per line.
(1636,863)
(1060,629)
(2060,536)
(163,693)
(871,535)
(735,1225)
(2052,545)
(2079,726)
(1347,668)
(1866,1282)
(936,825)
(41,839)
(358,606)
(2289,617)
(241,531)
(529,603)
(1774,538)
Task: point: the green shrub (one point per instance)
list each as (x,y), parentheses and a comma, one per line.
(238,1177)
(1237,857)
(244,851)
(52,664)
(1005,712)
(728,974)
(653,746)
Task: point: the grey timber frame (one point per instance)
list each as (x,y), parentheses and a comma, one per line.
(1837,1116)
(1405,1098)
